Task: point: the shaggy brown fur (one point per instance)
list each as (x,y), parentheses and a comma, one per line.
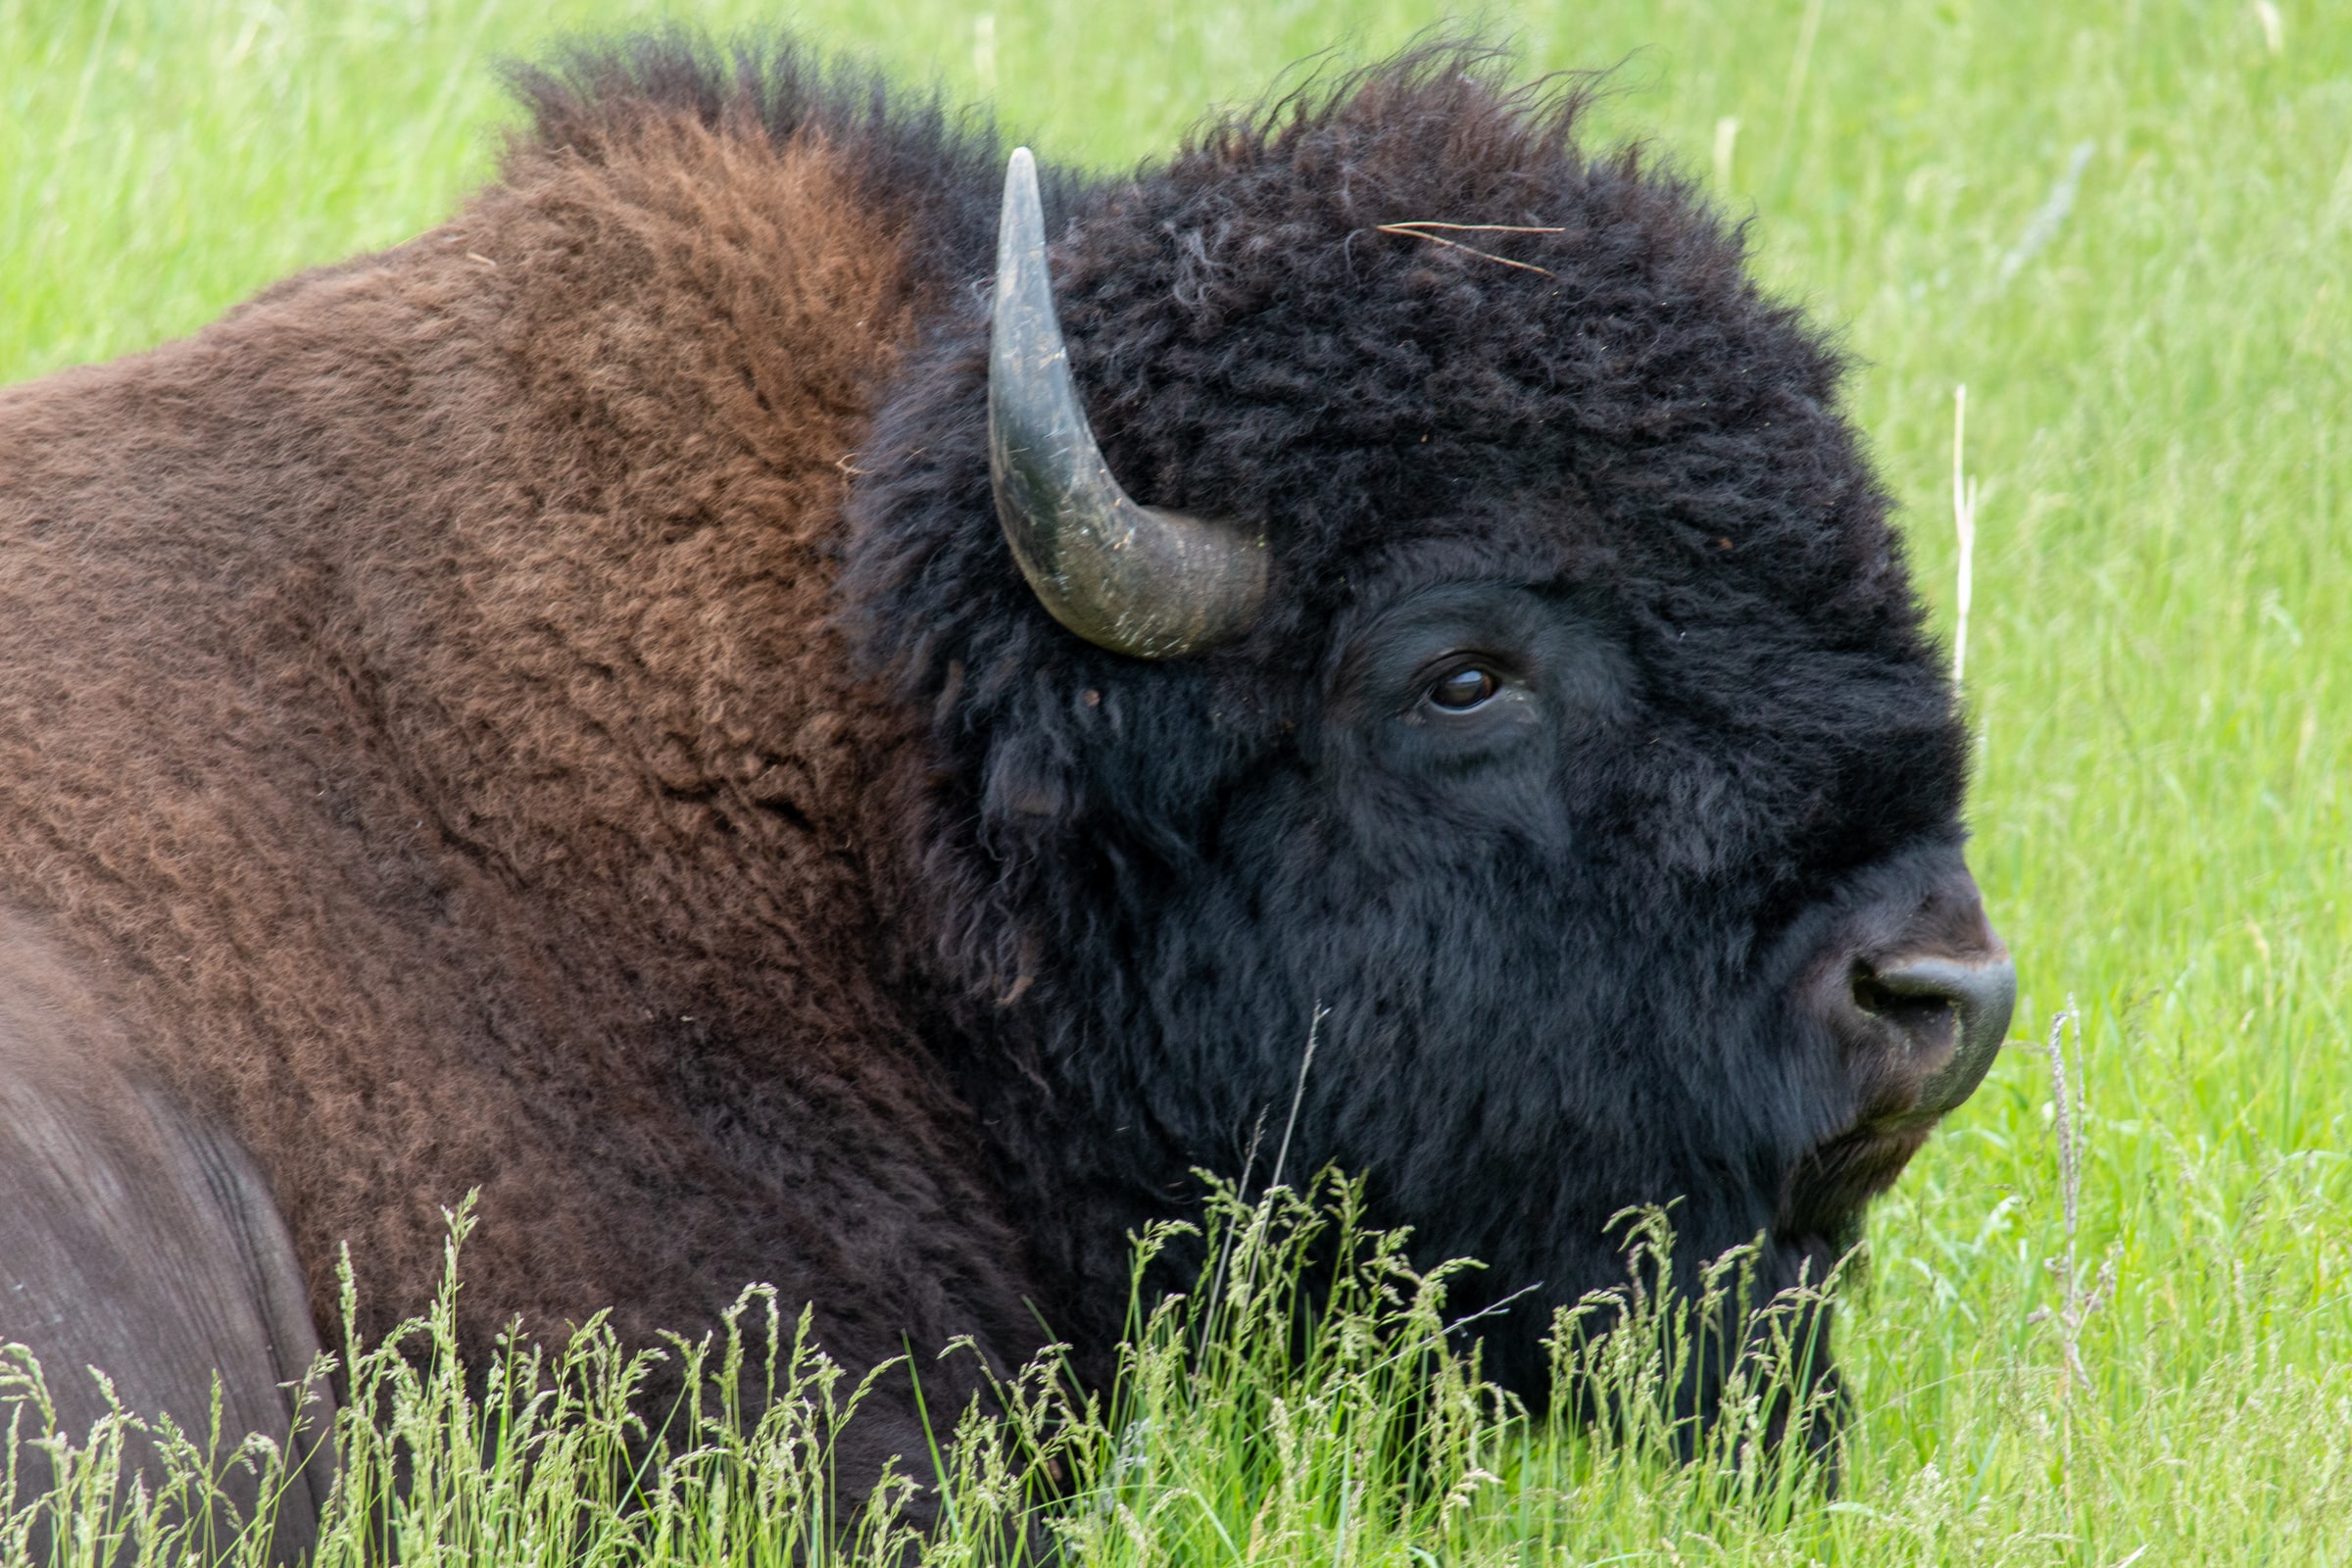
(419,721)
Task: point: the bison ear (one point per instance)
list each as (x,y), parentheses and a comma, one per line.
(1132,578)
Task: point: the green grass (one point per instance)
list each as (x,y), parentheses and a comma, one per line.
(2160,665)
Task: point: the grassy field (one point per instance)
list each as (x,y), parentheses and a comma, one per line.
(2125,226)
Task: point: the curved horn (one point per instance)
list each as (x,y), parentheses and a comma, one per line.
(1130,578)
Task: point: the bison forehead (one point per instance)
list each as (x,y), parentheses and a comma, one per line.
(1270,330)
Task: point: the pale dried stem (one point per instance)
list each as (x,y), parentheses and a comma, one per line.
(1414,230)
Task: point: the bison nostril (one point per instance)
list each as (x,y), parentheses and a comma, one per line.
(1912,1011)
(1914,993)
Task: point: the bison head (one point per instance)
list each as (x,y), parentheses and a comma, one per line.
(1523,670)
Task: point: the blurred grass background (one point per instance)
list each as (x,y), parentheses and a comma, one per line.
(2125,226)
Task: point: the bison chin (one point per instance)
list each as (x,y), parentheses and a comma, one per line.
(1735,1350)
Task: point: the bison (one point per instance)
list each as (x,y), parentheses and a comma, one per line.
(791,699)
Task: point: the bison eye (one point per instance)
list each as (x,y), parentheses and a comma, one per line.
(1466,688)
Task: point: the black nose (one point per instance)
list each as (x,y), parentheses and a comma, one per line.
(1916,989)
(1952,1012)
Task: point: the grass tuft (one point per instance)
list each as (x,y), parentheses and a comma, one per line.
(1309,1399)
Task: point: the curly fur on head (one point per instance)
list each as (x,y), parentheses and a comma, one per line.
(1550,999)
(549,708)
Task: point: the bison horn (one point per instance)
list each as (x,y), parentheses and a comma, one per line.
(1130,578)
